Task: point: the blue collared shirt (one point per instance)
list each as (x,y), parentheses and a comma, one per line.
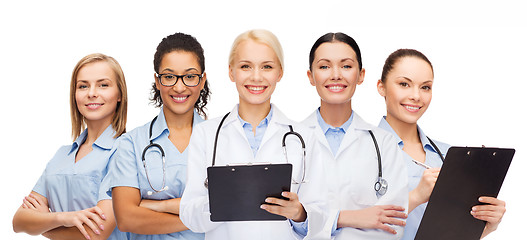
(334,135)
(73,186)
(415,172)
(127,168)
(256,138)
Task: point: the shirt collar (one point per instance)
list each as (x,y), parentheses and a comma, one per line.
(104,141)
(325,127)
(386,126)
(160,125)
(264,122)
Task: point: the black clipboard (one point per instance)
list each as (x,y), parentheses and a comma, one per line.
(467,174)
(236,192)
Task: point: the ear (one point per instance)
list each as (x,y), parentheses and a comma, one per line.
(156,82)
(203,81)
(381,88)
(310,76)
(361,76)
(281,74)
(231,74)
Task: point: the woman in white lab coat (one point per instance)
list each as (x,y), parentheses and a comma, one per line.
(253,132)
(351,164)
(406,84)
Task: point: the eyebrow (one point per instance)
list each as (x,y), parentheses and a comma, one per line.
(98,80)
(186,70)
(342,60)
(407,78)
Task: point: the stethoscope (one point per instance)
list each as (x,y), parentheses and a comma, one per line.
(291,132)
(381,185)
(154,145)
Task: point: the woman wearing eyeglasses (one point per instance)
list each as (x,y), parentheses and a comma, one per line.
(149,169)
(406,85)
(69,200)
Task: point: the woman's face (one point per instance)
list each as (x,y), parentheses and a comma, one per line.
(407,90)
(179,99)
(97,93)
(335,72)
(255,70)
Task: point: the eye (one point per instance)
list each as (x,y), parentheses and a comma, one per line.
(267,67)
(347,66)
(190,76)
(245,66)
(167,76)
(426,88)
(82,86)
(323,67)
(404,84)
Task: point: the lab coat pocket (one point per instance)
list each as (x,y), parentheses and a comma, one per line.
(364,199)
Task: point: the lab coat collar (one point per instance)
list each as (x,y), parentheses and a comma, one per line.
(104,141)
(356,124)
(278,117)
(161,124)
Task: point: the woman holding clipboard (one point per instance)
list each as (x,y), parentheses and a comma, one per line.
(406,84)
(253,133)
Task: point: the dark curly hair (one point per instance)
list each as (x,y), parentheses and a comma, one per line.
(187,43)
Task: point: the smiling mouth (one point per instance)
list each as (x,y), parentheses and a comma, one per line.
(93,105)
(411,108)
(256,89)
(180,99)
(336,88)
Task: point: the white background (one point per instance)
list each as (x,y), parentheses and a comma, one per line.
(477,49)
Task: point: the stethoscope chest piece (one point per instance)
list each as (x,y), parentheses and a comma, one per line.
(381,186)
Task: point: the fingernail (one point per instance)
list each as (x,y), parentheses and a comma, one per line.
(102,227)
(284,194)
(262,206)
(103,217)
(267,200)
(97,232)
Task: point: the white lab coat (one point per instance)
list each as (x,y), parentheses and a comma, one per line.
(233,147)
(352,173)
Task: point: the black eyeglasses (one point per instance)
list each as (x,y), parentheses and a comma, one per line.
(189,80)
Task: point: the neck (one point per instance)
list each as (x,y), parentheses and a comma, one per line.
(95,129)
(335,114)
(406,131)
(254,114)
(178,121)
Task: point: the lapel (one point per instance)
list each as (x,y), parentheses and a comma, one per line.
(312,123)
(357,126)
(278,121)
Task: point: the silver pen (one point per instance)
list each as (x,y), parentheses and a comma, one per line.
(421,164)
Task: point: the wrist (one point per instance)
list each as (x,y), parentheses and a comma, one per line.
(416,198)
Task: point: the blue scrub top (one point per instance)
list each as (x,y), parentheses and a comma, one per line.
(415,172)
(73,186)
(126,168)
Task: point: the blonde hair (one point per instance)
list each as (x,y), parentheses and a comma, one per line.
(78,122)
(261,36)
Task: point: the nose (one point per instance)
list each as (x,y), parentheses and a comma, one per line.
(92,93)
(336,74)
(257,75)
(416,94)
(179,86)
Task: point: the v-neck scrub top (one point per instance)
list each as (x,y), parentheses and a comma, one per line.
(127,168)
(74,186)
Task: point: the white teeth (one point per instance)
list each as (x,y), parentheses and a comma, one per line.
(411,108)
(256,88)
(179,98)
(94,104)
(336,88)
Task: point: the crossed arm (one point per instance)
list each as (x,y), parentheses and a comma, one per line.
(33,217)
(145,216)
